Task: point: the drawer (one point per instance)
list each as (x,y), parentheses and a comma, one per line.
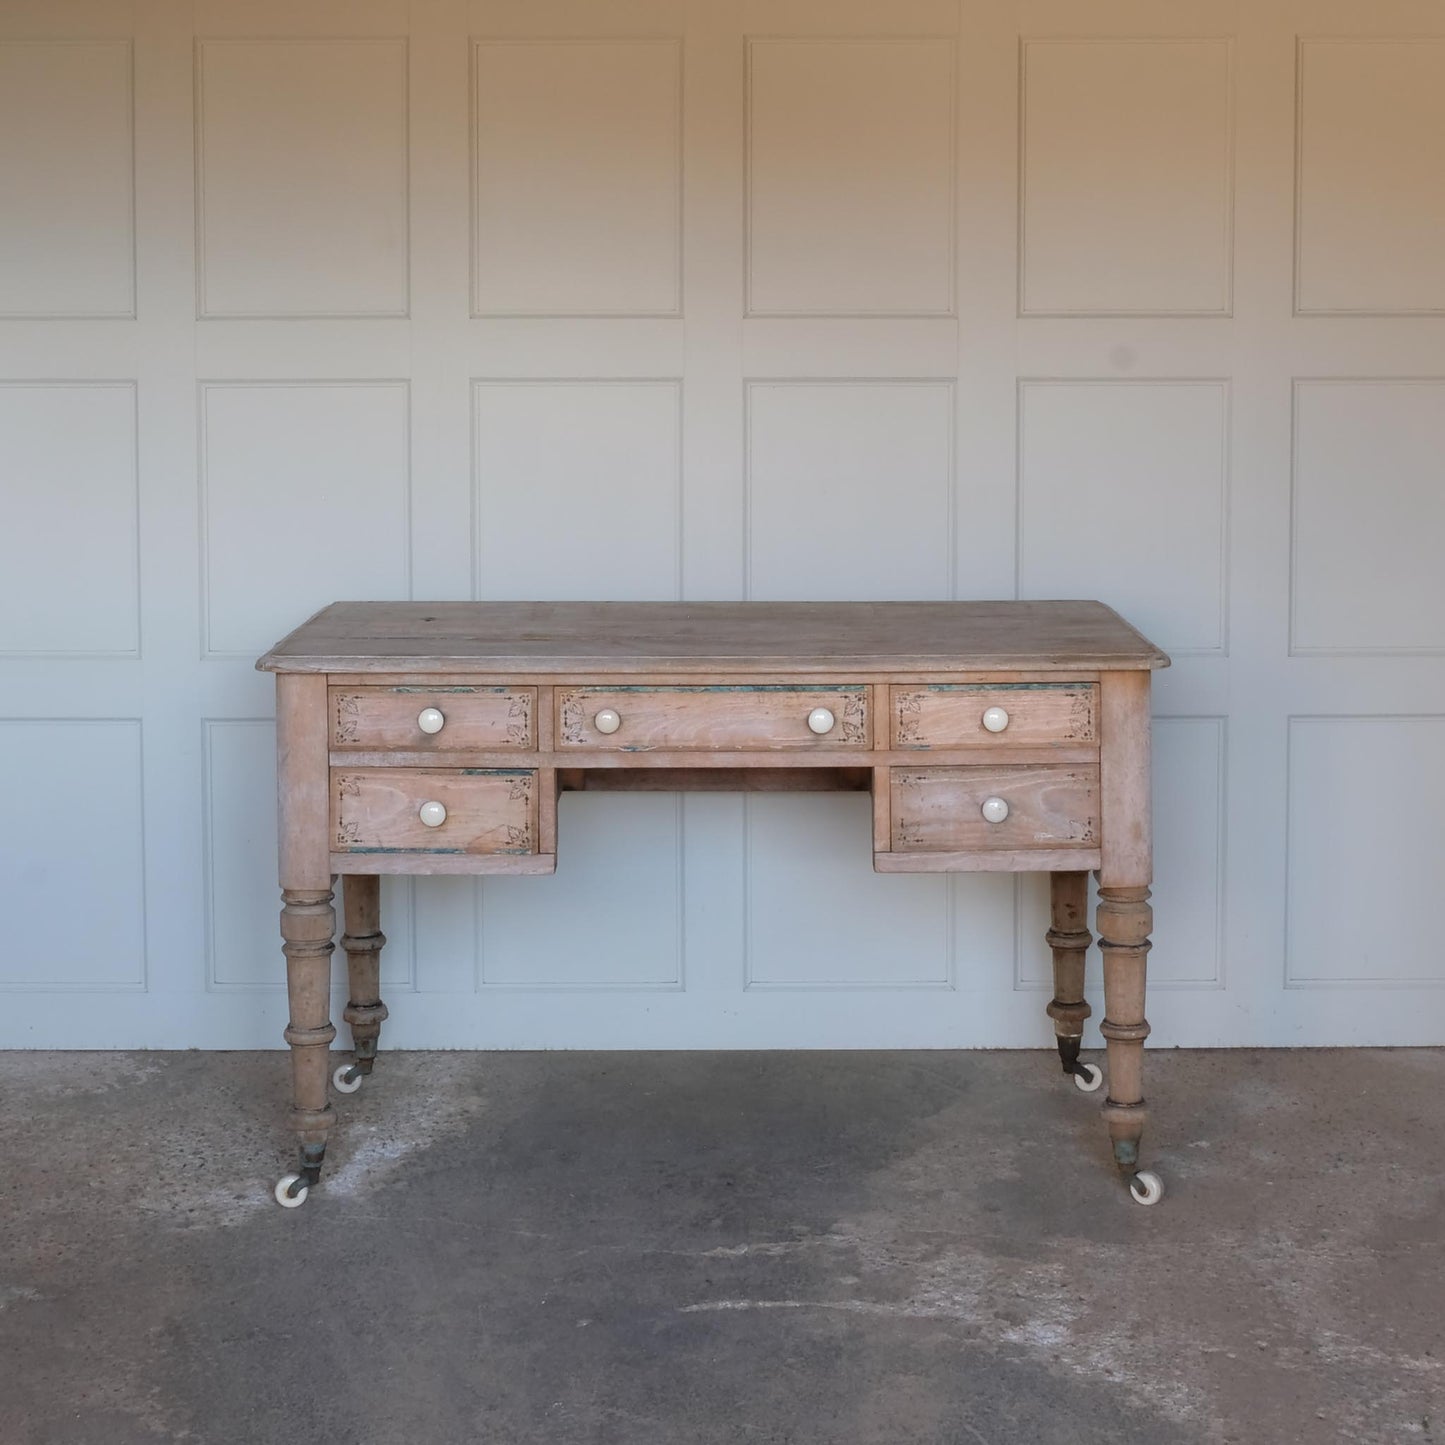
(718,718)
(1020,714)
(435,719)
(943,809)
(483,810)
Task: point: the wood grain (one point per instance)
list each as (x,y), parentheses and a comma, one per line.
(475,717)
(951,715)
(308,920)
(824,756)
(1068,938)
(418,862)
(989,860)
(740,672)
(715,780)
(1125,777)
(939,809)
(301,756)
(376,810)
(362,942)
(1124,920)
(633,637)
(712,717)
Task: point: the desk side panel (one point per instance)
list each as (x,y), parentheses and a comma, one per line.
(302,781)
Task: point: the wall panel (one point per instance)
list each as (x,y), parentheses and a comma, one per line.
(1126,208)
(1368,507)
(849,489)
(614,917)
(578,488)
(301,177)
(74,896)
(850,177)
(69,569)
(67,173)
(1363,870)
(1370,189)
(820,918)
(578,178)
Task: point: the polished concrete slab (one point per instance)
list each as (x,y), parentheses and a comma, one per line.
(770,1249)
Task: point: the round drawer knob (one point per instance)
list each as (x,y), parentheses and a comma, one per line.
(607,721)
(994,810)
(431,720)
(995,719)
(432,814)
(821,720)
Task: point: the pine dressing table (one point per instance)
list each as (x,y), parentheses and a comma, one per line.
(434,737)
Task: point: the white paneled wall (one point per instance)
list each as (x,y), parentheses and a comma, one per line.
(723,298)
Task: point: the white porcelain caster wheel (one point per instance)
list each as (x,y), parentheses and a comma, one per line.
(1090,1079)
(291,1192)
(1146,1187)
(346,1079)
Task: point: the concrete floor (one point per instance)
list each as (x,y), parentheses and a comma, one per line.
(707,1248)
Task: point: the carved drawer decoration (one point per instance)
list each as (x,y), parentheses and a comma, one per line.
(433,719)
(718,718)
(967,809)
(433,810)
(995,715)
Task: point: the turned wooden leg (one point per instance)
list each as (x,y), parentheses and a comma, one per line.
(1124,919)
(363,941)
(308,922)
(1069,938)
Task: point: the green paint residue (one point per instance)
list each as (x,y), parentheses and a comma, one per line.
(737,687)
(999,686)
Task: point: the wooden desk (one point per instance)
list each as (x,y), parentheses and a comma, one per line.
(434,737)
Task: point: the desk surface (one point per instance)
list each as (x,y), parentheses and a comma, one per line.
(622,637)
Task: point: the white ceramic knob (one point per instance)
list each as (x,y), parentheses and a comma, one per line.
(821,720)
(431,720)
(607,721)
(994,810)
(432,814)
(995,719)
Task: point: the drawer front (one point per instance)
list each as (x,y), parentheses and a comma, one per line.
(721,718)
(943,809)
(1021,714)
(486,810)
(455,718)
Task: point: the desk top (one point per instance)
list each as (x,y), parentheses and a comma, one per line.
(686,637)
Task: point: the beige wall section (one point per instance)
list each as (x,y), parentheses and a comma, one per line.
(723,298)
